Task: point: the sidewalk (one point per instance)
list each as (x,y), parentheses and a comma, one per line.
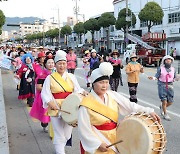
(4,146)
(26,136)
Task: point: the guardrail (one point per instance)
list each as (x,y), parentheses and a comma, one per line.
(4,145)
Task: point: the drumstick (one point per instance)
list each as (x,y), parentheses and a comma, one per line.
(114,143)
(64,111)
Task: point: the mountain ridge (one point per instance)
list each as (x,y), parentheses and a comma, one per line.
(17,20)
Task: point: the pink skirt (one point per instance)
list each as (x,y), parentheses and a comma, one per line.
(37,110)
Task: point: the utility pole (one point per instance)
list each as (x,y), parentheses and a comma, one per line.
(76,10)
(58,22)
(59,26)
(126,37)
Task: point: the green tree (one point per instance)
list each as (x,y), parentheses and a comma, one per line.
(2,20)
(151,13)
(39,37)
(31,37)
(106,20)
(79,30)
(52,34)
(121,20)
(92,26)
(65,32)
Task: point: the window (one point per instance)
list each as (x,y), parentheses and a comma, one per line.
(174,17)
(29,27)
(158,23)
(145,23)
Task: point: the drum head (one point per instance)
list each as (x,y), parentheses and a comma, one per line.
(71,104)
(135,136)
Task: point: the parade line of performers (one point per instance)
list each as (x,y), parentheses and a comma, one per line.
(46,78)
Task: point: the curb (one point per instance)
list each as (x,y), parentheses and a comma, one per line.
(4,145)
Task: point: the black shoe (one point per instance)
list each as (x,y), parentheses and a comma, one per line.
(88,85)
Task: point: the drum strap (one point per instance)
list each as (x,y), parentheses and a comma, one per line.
(64,85)
(91,103)
(101,136)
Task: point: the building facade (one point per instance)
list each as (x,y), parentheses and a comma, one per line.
(36,27)
(169,25)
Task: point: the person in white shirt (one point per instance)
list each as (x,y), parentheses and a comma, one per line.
(100,111)
(56,88)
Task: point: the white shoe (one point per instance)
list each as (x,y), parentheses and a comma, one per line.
(167,117)
(45,129)
(161,110)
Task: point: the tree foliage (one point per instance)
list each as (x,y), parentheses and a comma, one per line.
(92,26)
(2,20)
(66,30)
(121,21)
(107,19)
(79,28)
(52,33)
(151,13)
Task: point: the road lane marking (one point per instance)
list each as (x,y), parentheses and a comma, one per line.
(152,105)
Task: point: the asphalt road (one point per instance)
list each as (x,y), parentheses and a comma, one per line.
(26,136)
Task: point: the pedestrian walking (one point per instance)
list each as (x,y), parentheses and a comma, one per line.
(100,111)
(56,88)
(27,75)
(117,66)
(71,61)
(94,61)
(165,75)
(86,67)
(104,54)
(37,110)
(17,65)
(133,69)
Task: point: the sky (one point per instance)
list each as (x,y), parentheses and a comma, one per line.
(47,9)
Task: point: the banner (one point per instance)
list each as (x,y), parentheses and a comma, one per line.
(5,61)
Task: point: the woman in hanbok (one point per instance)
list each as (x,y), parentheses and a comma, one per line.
(37,111)
(27,75)
(100,111)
